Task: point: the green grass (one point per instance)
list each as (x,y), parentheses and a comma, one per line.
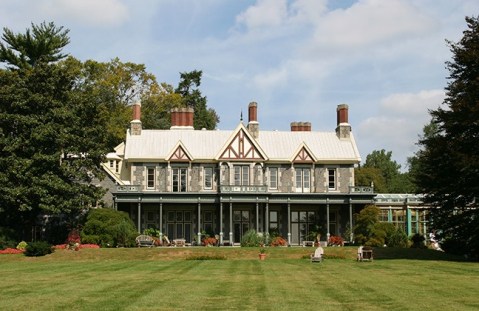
(163,279)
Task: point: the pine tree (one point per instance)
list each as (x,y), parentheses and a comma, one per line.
(447,167)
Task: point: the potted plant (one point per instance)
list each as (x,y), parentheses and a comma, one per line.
(262,253)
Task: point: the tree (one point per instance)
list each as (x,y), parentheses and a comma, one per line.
(188,88)
(366,176)
(394,180)
(43,42)
(448,162)
(52,143)
(116,86)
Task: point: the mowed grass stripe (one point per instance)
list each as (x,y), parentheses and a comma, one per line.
(161,279)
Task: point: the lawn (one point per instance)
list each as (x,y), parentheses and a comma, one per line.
(172,279)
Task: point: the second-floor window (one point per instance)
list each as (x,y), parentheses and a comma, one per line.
(273,178)
(303,179)
(208,178)
(331,179)
(241,177)
(150,178)
(179,179)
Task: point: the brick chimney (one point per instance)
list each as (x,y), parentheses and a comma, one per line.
(182,119)
(253,125)
(300,126)
(135,124)
(343,129)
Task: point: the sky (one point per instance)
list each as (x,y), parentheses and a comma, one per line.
(298,59)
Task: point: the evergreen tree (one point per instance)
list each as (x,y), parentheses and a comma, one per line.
(188,88)
(447,168)
(52,143)
(42,42)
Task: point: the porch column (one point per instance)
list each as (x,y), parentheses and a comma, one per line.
(257,216)
(289,223)
(351,237)
(199,223)
(161,221)
(115,204)
(327,220)
(231,223)
(409,221)
(221,223)
(266,220)
(139,216)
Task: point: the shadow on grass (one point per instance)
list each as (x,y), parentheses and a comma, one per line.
(414,253)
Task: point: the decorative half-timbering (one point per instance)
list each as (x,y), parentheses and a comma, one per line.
(187,183)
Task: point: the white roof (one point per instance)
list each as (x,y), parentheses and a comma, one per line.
(156,145)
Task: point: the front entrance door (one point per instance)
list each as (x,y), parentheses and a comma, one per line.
(241,221)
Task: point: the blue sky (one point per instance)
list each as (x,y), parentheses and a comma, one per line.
(298,59)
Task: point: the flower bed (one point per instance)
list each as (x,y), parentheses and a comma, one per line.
(335,240)
(11,251)
(278,241)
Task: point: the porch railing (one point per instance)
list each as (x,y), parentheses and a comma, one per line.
(128,188)
(244,189)
(361,189)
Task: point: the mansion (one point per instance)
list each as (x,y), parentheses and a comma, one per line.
(187,182)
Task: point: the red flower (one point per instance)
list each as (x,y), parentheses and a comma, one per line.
(11,251)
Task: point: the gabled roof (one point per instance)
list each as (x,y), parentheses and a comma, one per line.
(303,155)
(179,153)
(241,146)
(210,145)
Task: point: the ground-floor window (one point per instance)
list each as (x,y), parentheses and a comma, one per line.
(418,221)
(179,225)
(398,218)
(302,222)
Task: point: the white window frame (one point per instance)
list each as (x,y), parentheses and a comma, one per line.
(181,173)
(332,173)
(273,178)
(150,177)
(207,179)
(303,179)
(241,175)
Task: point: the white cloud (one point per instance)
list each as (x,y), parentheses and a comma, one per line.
(399,123)
(366,25)
(89,12)
(412,105)
(273,78)
(266,13)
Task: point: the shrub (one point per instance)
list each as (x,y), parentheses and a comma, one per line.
(40,248)
(108,228)
(206,257)
(252,239)
(418,241)
(7,239)
(398,238)
(152,232)
(21,246)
